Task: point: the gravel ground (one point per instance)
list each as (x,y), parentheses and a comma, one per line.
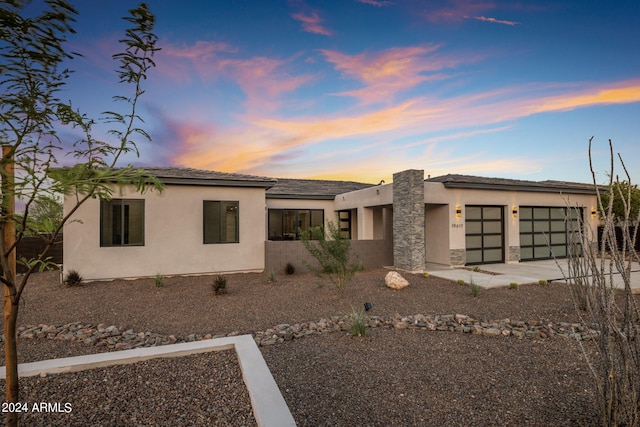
(205,391)
(392,377)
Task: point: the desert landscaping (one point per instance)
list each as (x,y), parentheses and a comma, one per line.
(410,370)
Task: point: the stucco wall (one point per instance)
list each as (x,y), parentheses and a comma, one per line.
(437,193)
(173,236)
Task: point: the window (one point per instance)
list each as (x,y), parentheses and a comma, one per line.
(288,224)
(122,222)
(220,222)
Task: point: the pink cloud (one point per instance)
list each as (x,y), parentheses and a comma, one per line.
(262,79)
(254,146)
(311,23)
(377,3)
(458,10)
(179,62)
(495,21)
(388,72)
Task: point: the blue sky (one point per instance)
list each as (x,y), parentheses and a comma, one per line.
(360,89)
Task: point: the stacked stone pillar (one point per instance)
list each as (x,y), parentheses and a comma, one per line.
(409,252)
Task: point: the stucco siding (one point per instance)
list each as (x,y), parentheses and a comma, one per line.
(173,236)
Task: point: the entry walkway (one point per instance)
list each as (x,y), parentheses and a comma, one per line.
(499,275)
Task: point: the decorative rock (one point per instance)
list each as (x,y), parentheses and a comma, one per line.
(394,280)
(111,337)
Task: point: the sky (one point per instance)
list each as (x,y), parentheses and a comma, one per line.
(360,89)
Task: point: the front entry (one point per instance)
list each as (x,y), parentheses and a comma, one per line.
(484,234)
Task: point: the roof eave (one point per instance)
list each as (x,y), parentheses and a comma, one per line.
(301,196)
(503,187)
(203,182)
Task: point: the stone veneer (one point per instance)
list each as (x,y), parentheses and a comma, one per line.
(458,257)
(514,253)
(409,252)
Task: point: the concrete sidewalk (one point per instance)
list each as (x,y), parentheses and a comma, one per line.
(500,275)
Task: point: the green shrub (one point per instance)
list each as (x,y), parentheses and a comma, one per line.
(461,282)
(158,280)
(73,278)
(513,285)
(543,282)
(358,322)
(289,269)
(333,253)
(220,285)
(271,276)
(475,288)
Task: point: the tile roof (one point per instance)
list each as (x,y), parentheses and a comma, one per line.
(188,176)
(287,188)
(478,182)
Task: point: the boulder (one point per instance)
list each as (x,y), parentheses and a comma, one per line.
(394,280)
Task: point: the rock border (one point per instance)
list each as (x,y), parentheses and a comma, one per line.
(114,338)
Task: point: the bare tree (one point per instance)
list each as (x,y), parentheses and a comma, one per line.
(600,280)
(32,53)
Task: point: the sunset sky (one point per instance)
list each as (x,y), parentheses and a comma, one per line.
(360,89)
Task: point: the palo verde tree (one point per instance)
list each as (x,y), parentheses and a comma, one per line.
(32,75)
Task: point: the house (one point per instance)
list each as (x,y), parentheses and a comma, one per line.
(210,222)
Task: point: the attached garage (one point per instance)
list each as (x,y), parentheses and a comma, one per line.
(545,232)
(484,234)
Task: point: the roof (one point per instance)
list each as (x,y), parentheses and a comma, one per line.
(483,183)
(287,188)
(188,176)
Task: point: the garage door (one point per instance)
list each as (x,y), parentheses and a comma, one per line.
(484,234)
(545,232)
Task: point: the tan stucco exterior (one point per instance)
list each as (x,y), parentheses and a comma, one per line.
(173,236)
(173,231)
(444,228)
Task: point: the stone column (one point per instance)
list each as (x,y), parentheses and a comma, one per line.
(408,220)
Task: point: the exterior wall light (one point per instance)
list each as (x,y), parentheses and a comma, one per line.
(593,212)
(458,211)
(514,211)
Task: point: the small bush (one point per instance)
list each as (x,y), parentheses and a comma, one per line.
(271,277)
(513,285)
(358,323)
(425,274)
(475,289)
(220,285)
(476,268)
(73,278)
(543,282)
(461,282)
(158,280)
(289,269)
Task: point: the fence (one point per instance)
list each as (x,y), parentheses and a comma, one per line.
(619,238)
(31,246)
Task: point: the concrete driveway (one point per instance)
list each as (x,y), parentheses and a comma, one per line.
(499,275)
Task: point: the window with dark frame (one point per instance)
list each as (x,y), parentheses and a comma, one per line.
(220,222)
(289,224)
(122,222)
